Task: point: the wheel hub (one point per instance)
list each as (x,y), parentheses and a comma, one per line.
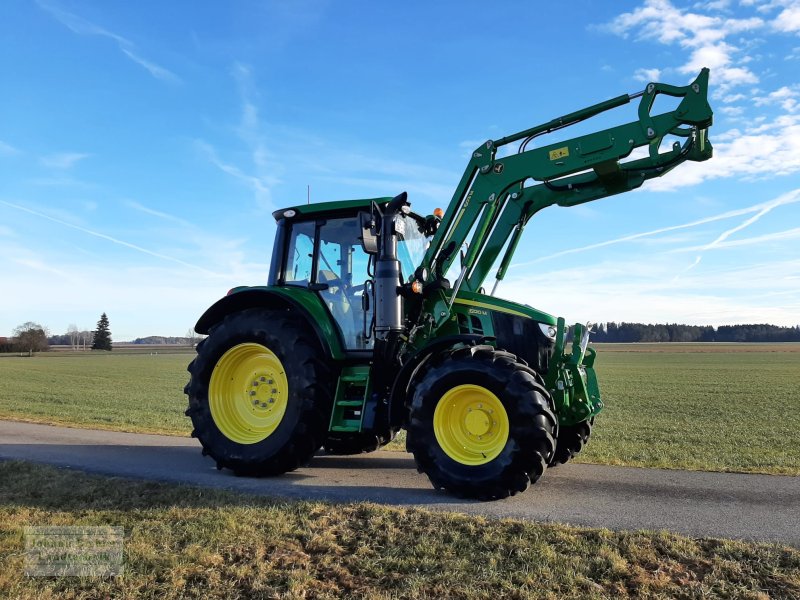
(478,422)
(248,393)
(471,424)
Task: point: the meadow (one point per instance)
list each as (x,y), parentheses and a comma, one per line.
(720,407)
(185,542)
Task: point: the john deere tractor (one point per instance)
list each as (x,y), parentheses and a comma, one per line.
(368,325)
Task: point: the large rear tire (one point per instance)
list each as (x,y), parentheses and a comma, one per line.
(571,440)
(481,423)
(260,395)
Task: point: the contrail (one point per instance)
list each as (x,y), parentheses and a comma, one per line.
(110,239)
(787,198)
(762,209)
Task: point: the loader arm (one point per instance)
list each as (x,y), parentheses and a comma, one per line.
(496,198)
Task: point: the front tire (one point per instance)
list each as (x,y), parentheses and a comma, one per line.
(481,423)
(260,395)
(571,440)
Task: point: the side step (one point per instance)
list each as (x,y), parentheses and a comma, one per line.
(352,390)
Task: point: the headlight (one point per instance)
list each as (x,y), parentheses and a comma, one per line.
(548,330)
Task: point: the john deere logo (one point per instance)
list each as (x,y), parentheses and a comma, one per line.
(498,168)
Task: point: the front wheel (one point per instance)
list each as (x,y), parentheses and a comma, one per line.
(260,394)
(571,440)
(481,423)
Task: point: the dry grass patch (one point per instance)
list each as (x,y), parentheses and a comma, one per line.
(183,542)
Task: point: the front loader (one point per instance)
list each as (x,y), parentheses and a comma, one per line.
(368,326)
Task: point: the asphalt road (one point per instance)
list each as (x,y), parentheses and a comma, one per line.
(731,505)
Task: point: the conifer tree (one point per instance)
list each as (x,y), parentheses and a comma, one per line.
(102,336)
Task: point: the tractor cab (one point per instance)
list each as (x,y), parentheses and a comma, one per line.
(322,248)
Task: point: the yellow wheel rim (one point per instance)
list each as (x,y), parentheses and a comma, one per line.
(248,393)
(471,424)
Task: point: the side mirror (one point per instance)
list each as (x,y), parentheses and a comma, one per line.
(369,239)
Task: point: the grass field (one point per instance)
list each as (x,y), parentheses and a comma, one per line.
(723,407)
(183,542)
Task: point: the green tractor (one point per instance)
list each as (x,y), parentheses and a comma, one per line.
(364,329)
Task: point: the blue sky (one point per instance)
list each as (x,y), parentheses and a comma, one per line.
(143,146)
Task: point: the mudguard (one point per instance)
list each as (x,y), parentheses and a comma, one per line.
(296,300)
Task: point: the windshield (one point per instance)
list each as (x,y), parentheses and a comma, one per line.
(412,243)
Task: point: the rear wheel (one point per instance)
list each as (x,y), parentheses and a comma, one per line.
(481,423)
(571,440)
(259,394)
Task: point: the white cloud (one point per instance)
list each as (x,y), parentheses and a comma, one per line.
(7,149)
(732,111)
(157,213)
(63,160)
(765,151)
(82,26)
(260,184)
(761,208)
(703,36)
(646,291)
(766,208)
(261,176)
(155,70)
(647,75)
(731,98)
(789,19)
(777,236)
(111,239)
(785,97)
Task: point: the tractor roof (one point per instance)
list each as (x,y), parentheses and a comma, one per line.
(322,208)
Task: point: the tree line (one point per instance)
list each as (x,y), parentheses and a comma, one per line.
(672,332)
(31,337)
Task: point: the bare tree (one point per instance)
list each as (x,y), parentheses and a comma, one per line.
(31,337)
(192,338)
(84,339)
(73,333)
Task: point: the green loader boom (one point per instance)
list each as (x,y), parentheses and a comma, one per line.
(359,333)
(493,203)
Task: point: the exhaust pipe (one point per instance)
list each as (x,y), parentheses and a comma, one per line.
(388,302)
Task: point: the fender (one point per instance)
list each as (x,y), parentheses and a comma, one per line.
(399,394)
(295,300)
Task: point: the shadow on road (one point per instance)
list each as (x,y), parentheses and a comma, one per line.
(331,478)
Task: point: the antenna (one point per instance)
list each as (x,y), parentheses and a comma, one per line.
(308,194)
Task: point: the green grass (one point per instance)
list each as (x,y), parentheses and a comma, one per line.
(125,391)
(183,542)
(708,407)
(720,407)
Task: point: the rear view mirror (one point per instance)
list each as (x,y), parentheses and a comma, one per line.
(369,239)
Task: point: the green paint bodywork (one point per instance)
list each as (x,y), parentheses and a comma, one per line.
(262,296)
(352,389)
(329,208)
(494,201)
(495,198)
(571,379)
